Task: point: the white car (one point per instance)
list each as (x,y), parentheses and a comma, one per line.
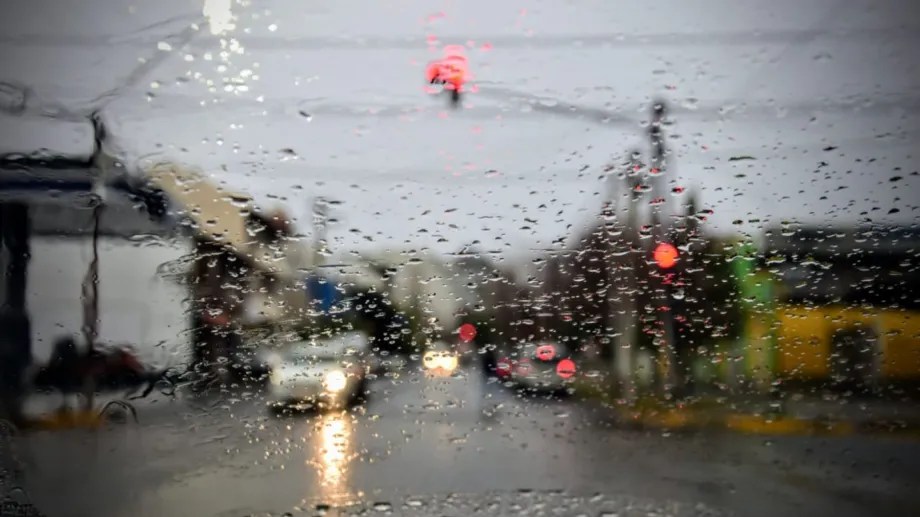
(322,374)
(440,359)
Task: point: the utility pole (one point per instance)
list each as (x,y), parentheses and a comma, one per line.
(661,233)
(624,311)
(15,327)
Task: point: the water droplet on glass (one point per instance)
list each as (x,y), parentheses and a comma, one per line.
(383,506)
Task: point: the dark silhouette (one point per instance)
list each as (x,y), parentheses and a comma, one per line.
(109,369)
(385,322)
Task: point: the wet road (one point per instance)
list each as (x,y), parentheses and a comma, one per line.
(428,438)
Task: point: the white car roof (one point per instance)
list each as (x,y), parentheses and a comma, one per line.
(334,347)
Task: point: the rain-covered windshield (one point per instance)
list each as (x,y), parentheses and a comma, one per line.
(459,257)
(347,345)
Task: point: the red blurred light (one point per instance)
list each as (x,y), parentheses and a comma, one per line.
(666,255)
(546,352)
(452,68)
(503,367)
(467,332)
(565,368)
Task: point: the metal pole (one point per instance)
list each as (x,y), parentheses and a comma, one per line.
(660,231)
(15,327)
(90,298)
(624,318)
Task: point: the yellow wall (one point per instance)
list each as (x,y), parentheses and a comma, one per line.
(900,335)
(804,336)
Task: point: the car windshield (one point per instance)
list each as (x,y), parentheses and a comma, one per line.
(458,258)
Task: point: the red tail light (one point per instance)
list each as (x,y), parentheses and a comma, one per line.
(503,367)
(565,368)
(546,352)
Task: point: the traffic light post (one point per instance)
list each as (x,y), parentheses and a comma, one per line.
(665,256)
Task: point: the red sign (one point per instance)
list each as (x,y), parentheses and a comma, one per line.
(666,255)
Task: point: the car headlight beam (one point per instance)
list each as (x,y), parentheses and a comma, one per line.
(335,381)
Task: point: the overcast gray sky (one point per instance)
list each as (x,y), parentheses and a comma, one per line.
(779,81)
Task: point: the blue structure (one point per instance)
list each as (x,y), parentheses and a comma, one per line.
(322,292)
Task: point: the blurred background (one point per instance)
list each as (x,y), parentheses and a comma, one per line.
(638,221)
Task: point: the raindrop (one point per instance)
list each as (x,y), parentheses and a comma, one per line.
(691,103)
(383,506)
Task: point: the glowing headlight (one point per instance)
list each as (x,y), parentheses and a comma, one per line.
(335,381)
(274,377)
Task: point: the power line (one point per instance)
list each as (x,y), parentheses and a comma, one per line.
(523,106)
(498,41)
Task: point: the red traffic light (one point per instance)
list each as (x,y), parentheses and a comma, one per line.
(666,255)
(467,332)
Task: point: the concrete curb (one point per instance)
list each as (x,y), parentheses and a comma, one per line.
(749,423)
(649,414)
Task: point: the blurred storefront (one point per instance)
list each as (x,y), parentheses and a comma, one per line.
(839,307)
(67,227)
(246,275)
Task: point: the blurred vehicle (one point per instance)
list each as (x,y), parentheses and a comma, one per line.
(467,354)
(383,363)
(440,359)
(319,374)
(539,368)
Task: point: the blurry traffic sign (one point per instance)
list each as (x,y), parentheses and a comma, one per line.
(322,293)
(666,255)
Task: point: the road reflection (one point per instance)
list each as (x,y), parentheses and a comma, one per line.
(332,458)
